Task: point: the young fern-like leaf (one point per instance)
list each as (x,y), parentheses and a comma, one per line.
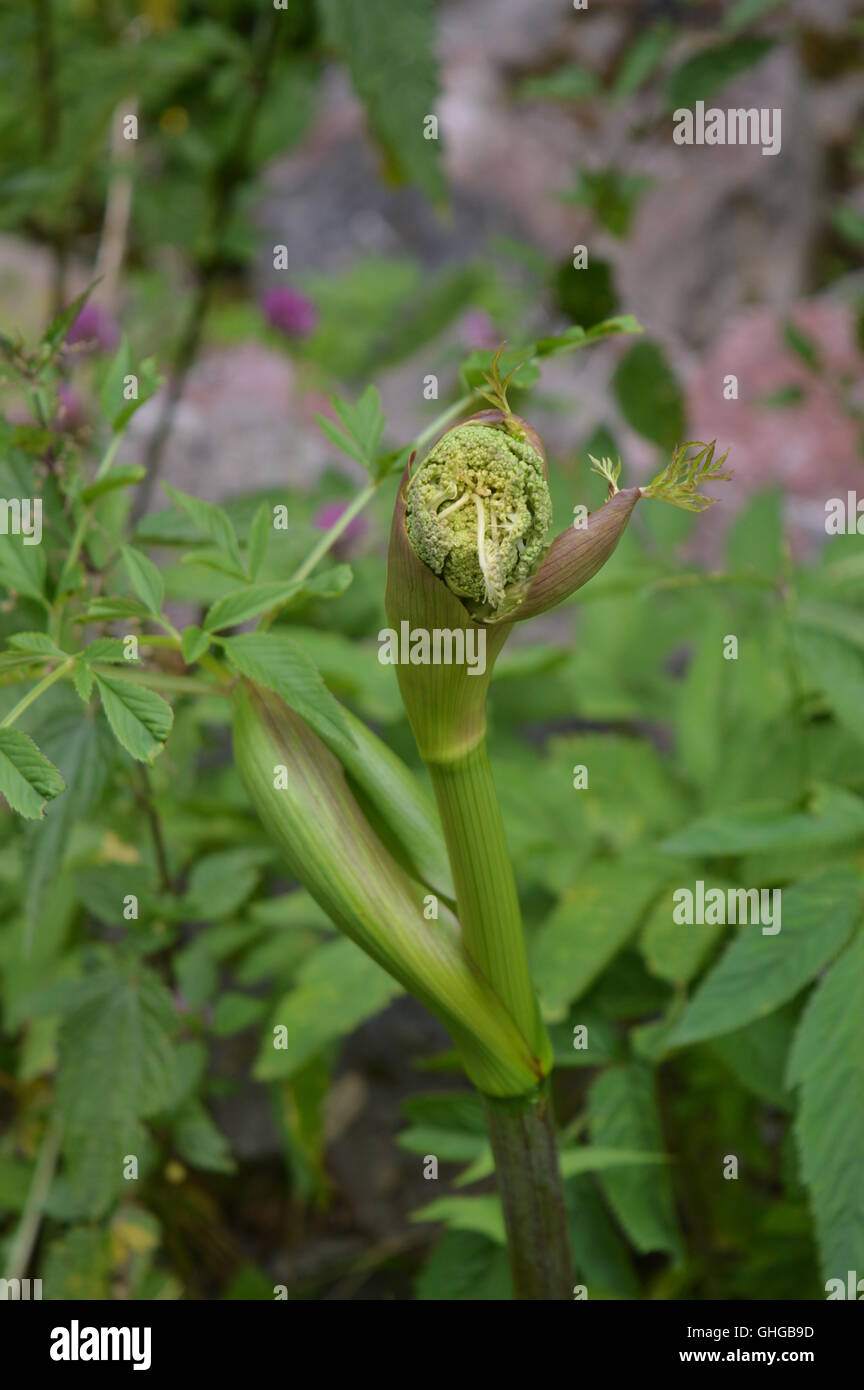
(685,473)
(496,392)
(608,470)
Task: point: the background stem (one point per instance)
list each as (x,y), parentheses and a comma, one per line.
(522,1134)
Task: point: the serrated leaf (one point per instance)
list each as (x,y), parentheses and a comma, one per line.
(214,522)
(199,1142)
(259,539)
(589,926)
(623,1113)
(336,989)
(145,577)
(837,669)
(112,649)
(832,817)
(82,679)
(758,973)
(115,1068)
(139,718)
(243,604)
(27,778)
(673,952)
(105,610)
(38,642)
(390,52)
(193,644)
(363,425)
(827,1062)
(278,663)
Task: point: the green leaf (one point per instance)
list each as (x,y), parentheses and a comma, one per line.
(832,817)
(849,222)
(390,52)
(465,1266)
(145,577)
(363,425)
(804,347)
(601,1257)
(827,1062)
(577,337)
(108,649)
(220,883)
(214,522)
(482,1215)
(38,642)
(116,408)
(837,669)
(193,644)
(27,778)
(235,1012)
(702,75)
(611,194)
(82,747)
(278,663)
(517,361)
(140,719)
(124,475)
(757,1055)
(22,567)
(642,58)
(259,539)
(676,953)
(115,1068)
(649,396)
(78,1265)
(758,973)
(106,610)
(589,926)
(568,83)
(623,1113)
(199,1142)
(337,989)
(56,331)
(247,603)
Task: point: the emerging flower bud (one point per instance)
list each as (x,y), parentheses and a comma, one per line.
(478,508)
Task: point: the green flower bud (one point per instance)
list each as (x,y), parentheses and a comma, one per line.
(478,509)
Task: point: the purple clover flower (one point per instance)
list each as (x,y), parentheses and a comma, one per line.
(290,312)
(96,327)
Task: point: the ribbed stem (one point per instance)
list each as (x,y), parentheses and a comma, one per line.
(487,903)
(522,1134)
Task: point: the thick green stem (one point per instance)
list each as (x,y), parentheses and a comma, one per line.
(522,1134)
(487,902)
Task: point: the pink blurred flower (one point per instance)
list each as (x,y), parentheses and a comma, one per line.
(71,409)
(477,331)
(96,328)
(329,514)
(290,311)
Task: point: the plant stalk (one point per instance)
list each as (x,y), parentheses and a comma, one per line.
(487,902)
(522,1134)
(521,1129)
